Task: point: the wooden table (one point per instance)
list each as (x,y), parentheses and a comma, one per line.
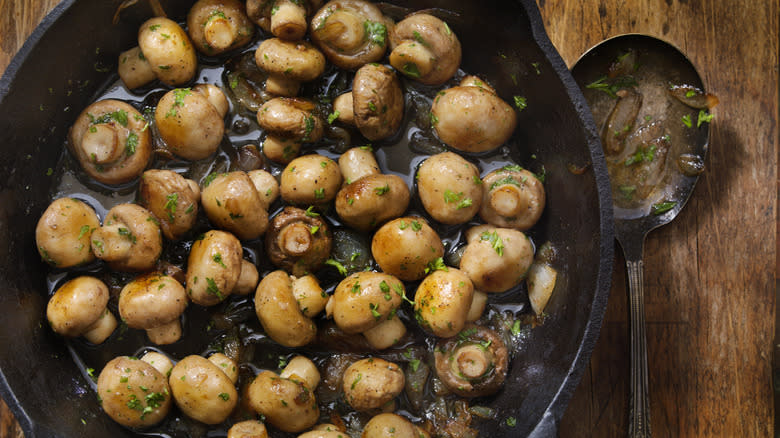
(710,275)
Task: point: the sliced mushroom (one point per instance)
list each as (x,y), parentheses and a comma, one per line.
(218,26)
(352,33)
(513,198)
(286,19)
(288,63)
(168,50)
(133,393)
(280,314)
(449,188)
(78,308)
(288,123)
(310,179)
(405,247)
(129,240)
(213,267)
(189,122)
(472,118)
(111,141)
(377,101)
(370,201)
(231,202)
(172,199)
(202,391)
(371,383)
(472,364)
(154,302)
(287,404)
(496,259)
(365,300)
(424,48)
(64,231)
(442,302)
(298,241)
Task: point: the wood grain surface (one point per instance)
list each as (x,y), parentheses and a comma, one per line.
(710,275)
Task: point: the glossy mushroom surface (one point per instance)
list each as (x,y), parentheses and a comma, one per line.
(63,233)
(514,198)
(218,26)
(213,267)
(133,393)
(450,188)
(425,49)
(172,199)
(168,50)
(129,240)
(298,241)
(78,308)
(474,363)
(154,302)
(189,123)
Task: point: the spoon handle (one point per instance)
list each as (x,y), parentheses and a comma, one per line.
(639,414)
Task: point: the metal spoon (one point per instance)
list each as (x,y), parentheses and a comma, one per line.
(646,69)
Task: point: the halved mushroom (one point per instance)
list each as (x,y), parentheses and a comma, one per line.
(168,50)
(111,141)
(310,179)
(472,118)
(449,188)
(64,231)
(288,63)
(286,403)
(172,199)
(286,19)
(405,247)
(281,316)
(472,364)
(496,259)
(424,48)
(190,123)
(202,390)
(213,267)
(442,302)
(129,240)
(352,33)
(133,393)
(394,425)
(298,241)
(513,198)
(154,302)
(218,26)
(288,123)
(78,308)
(365,300)
(231,202)
(371,383)
(372,200)
(377,101)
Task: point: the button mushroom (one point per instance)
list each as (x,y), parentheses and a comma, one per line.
(472,364)
(371,383)
(202,390)
(424,48)
(405,247)
(496,259)
(442,302)
(129,239)
(514,198)
(365,300)
(111,142)
(288,63)
(449,188)
(63,233)
(372,200)
(154,302)
(288,122)
(286,19)
(298,241)
(351,33)
(168,50)
(286,403)
(159,361)
(358,162)
(302,369)
(134,69)
(280,314)
(133,393)
(377,102)
(310,179)
(172,199)
(266,185)
(78,308)
(190,123)
(472,118)
(213,267)
(247,429)
(218,26)
(386,334)
(232,202)
(387,424)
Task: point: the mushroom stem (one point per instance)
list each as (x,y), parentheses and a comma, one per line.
(100,144)
(289,20)
(295,239)
(165,334)
(414,58)
(507,200)
(101,329)
(470,361)
(219,32)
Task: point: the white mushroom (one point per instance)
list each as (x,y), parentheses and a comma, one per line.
(154,302)
(78,308)
(129,240)
(63,233)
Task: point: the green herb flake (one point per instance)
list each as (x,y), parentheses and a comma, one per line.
(83,231)
(309,124)
(218,260)
(336,264)
(332,117)
(224,396)
(419,38)
(686,120)
(704,117)
(414,364)
(319,193)
(375,32)
(154,27)
(372,106)
(436,265)
(311,213)
(495,241)
(642,155)
(402,225)
(124,232)
(611,87)
(520,103)
(662,207)
(131,144)
(380,191)
(357,379)
(212,288)
(411,70)
(416,226)
(375,311)
(511,421)
(170,205)
(434,119)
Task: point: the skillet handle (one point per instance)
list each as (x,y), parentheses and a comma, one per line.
(639,411)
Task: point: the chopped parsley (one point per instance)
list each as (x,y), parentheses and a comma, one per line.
(308,127)
(704,117)
(642,155)
(333,116)
(436,265)
(520,103)
(212,288)
(611,87)
(336,264)
(132,143)
(319,193)
(170,205)
(686,119)
(218,260)
(662,207)
(411,70)
(375,32)
(382,190)
(416,226)
(495,241)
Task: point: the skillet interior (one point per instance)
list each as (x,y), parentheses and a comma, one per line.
(46,86)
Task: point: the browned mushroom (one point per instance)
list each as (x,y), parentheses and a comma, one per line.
(217,26)
(288,404)
(286,19)
(496,259)
(78,308)
(190,120)
(129,240)
(288,122)
(288,63)
(377,101)
(424,48)
(231,201)
(298,242)
(312,179)
(111,142)
(280,312)
(472,364)
(64,231)
(449,188)
(154,302)
(168,50)
(513,198)
(172,199)
(213,267)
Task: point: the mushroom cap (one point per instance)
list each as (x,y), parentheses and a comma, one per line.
(442,302)
(168,50)
(279,312)
(474,363)
(231,202)
(378,102)
(151,300)
(496,259)
(351,33)
(310,179)
(449,188)
(172,199)
(191,126)
(110,141)
(76,305)
(372,200)
(295,60)
(134,228)
(387,424)
(370,383)
(287,405)
(513,198)
(218,26)
(291,118)
(202,391)
(404,247)
(432,35)
(63,233)
(213,267)
(298,242)
(246,429)
(364,300)
(133,393)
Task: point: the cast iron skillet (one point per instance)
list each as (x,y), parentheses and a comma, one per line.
(62,67)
